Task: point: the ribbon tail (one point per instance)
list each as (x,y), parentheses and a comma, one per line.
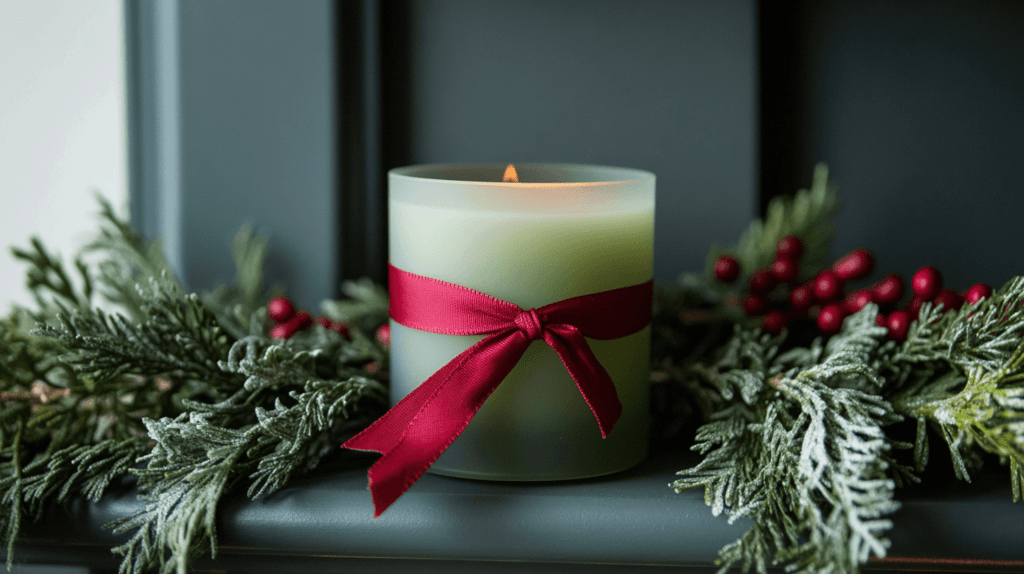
(386,432)
(591,378)
(428,420)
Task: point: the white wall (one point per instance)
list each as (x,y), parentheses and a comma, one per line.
(62,125)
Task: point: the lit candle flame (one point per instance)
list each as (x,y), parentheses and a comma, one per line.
(510,174)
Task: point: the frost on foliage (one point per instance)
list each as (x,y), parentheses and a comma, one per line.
(800,448)
(963,373)
(800,445)
(183,390)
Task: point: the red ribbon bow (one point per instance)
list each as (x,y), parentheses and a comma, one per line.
(414,433)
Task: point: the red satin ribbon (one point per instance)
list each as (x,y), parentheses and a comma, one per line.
(414,433)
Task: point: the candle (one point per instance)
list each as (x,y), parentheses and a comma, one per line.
(560,231)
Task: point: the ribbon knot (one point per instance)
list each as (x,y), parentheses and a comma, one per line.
(529,323)
(414,433)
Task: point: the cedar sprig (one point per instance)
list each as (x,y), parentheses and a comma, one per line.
(71,418)
(365,304)
(180,338)
(60,434)
(250,437)
(125,261)
(240,307)
(187,385)
(200,457)
(49,282)
(981,335)
(808,215)
(972,386)
(800,448)
(304,432)
(188,471)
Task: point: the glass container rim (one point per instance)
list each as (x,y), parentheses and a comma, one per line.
(429,173)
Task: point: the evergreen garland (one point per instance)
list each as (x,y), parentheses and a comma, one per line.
(184,391)
(797,439)
(118,371)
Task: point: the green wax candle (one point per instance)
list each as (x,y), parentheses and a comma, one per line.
(561,231)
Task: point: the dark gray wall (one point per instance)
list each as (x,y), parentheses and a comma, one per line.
(666,86)
(915,105)
(257,99)
(233,121)
(918,108)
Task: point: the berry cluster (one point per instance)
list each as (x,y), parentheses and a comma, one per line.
(288,322)
(926,286)
(774,295)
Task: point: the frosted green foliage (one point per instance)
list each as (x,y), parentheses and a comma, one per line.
(982,335)
(970,380)
(799,447)
(240,307)
(61,434)
(180,336)
(61,431)
(808,215)
(366,305)
(799,443)
(49,283)
(187,385)
(126,260)
(200,456)
(298,432)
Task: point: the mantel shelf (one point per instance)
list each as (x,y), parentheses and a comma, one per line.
(623,522)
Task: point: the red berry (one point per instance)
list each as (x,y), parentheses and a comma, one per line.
(977,293)
(281,331)
(914,307)
(830,320)
(888,291)
(927,283)
(774,322)
(801,298)
(341,328)
(727,269)
(785,270)
(857,300)
(384,335)
(854,265)
(300,321)
(898,323)
(789,247)
(881,320)
(949,300)
(280,309)
(828,287)
(755,305)
(761,281)
(286,330)
(338,327)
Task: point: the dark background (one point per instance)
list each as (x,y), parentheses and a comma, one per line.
(291,113)
(918,109)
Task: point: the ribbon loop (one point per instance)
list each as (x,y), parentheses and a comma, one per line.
(529,323)
(414,433)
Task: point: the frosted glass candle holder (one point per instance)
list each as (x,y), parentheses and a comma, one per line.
(562,231)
